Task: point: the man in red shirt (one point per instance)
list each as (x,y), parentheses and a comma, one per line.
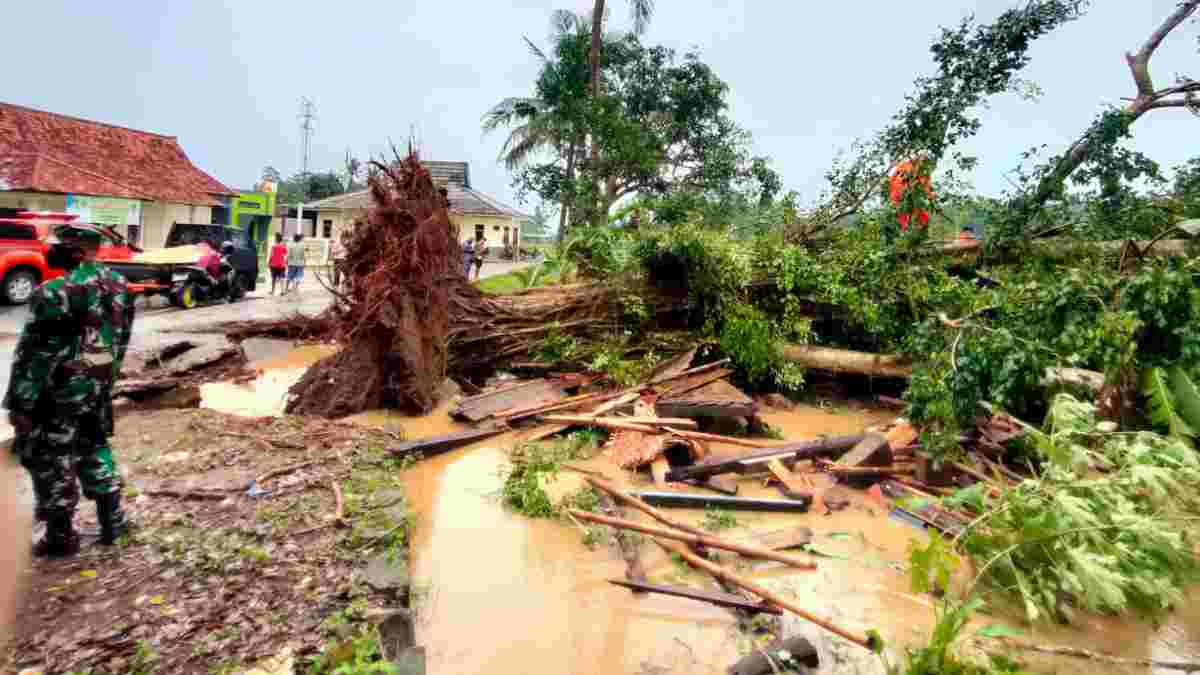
(278,262)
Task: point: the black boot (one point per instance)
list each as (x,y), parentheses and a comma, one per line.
(113,521)
(60,540)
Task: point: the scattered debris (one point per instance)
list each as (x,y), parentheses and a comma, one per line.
(711,597)
(870,641)
(757,461)
(760,662)
(527,394)
(716,398)
(697,501)
(708,541)
(436,445)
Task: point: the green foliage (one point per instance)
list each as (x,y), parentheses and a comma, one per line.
(360,655)
(1099,542)
(557,347)
(716,519)
(529,464)
(1160,404)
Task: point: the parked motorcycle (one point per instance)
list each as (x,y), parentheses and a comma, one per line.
(192,285)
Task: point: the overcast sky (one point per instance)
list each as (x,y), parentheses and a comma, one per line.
(806,78)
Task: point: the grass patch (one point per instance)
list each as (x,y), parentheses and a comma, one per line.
(522,489)
(716,519)
(501,284)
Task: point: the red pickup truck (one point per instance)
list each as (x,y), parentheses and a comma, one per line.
(23,252)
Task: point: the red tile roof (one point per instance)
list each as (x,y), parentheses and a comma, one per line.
(47,152)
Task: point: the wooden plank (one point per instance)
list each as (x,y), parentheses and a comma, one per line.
(721,484)
(439,444)
(872,450)
(591,419)
(683,408)
(711,597)
(527,394)
(694,382)
(688,500)
(704,540)
(715,399)
(791,452)
(789,480)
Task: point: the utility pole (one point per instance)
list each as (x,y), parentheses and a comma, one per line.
(308,115)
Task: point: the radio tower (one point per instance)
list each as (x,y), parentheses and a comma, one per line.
(308,115)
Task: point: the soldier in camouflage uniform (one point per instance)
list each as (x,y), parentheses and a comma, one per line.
(60,392)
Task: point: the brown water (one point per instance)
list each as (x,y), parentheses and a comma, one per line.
(507,594)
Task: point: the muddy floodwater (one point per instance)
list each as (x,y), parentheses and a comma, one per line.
(501,593)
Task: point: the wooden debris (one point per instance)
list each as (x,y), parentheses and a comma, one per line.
(721,484)
(759,661)
(872,450)
(708,541)
(694,382)
(719,599)
(843,471)
(673,366)
(634,571)
(715,399)
(438,444)
(757,461)
(186,494)
(690,500)
(611,490)
(795,487)
(678,422)
(696,561)
(531,393)
(283,470)
(1075,652)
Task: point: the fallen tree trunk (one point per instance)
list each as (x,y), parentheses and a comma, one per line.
(846,361)
(896,365)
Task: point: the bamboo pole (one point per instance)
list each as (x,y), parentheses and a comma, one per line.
(616,423)
(748,550)
(608,488)
(870,642)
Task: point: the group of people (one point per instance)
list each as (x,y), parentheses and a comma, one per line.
(287,263)
(474,251)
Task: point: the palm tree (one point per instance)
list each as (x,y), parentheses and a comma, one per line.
(534,124)
(641,10)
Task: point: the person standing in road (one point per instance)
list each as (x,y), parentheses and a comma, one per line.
(480,251)
(468,253)
(337,254)
(295,262)
(278,263)
(60,391)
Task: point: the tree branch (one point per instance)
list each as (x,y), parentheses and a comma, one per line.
(1139,64)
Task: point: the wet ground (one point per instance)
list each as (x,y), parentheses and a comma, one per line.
(502,593)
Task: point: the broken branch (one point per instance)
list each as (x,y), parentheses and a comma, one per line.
(748,550)
(868,642)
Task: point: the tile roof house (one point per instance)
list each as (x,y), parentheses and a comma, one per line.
(47,160)
(475,212)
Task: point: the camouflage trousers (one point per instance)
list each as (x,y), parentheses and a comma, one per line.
(62,453)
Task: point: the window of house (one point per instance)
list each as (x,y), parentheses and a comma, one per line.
(312,228)
(133,233)
(327,229)
(496,228)
(479,231)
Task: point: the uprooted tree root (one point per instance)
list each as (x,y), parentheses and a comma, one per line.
(401,266)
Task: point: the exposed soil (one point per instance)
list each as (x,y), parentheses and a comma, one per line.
(218,581)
